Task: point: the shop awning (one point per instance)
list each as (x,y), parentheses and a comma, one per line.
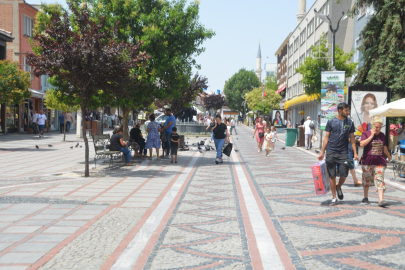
(37,93)
(393,109)
(301,99)
(281,89)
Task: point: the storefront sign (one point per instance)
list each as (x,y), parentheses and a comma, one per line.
(332,93)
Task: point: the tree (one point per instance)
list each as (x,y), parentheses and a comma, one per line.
(54,101)
(270,82)
(85,56)
(171,33)
(183,98)
(312,67)
(255,101)
(214,101)
(14,83)
(238,85)
(383,46)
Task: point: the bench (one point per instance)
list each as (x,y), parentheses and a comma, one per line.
(99,141)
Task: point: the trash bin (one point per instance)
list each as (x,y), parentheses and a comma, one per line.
(291,134)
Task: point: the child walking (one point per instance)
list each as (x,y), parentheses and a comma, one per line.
(274,137)
(175,139)
(268,136)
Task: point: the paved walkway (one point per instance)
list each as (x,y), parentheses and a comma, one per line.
(252,212)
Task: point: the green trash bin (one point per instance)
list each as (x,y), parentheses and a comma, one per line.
(291,135)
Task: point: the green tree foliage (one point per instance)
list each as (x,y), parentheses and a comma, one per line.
(14,83)
(238,85)
(313,65)
(270,82)
(255,101)
(86,56)
(383,45)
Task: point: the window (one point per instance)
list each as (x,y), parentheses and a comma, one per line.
(289,71)
(295,65)
(358,55)
(303,36)
(28,25)
(310,28)
(290,50)
(308,53)
(296,44)
(27,67)
(302,59)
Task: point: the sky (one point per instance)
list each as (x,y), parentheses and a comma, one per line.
(239,26)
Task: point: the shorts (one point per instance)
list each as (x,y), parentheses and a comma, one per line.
(337,162)
(371,174)
(173,150)
(41,127)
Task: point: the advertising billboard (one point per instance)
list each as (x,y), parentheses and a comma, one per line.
(332,93)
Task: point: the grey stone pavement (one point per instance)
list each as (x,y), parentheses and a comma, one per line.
(251,212)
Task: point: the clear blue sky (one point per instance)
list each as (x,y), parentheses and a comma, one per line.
(239,25)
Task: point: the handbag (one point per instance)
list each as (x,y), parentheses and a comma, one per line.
(261,134)
(228,149)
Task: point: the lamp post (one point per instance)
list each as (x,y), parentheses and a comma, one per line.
(326,19)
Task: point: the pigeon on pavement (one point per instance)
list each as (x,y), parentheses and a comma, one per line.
(71,147)
(36,146)
(196,136)
(283,148)
(316,151)
(50,145)
(77,145)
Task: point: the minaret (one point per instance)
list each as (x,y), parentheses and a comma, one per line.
(259,64)
(302,6)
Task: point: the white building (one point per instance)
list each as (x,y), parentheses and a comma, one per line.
(307,33)
(270,69)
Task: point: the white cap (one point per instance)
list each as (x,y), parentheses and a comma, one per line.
(308,117)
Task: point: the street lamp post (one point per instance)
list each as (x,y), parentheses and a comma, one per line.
(326,19)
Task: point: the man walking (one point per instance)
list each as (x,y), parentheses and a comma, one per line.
(61,123)
(68,119)
(169,124)
(233,126)
(338,130)
(41,123)
(309,132)
(34,121)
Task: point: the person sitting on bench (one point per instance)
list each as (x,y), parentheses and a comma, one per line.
(117,144)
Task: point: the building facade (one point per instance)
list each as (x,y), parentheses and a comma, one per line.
(270,69)
(18,17)
(282,56)
(308,32)
(5,37)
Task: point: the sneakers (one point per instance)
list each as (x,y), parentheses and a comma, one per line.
(339,193)
(217,160)
(365,200)
(334,202)
(383,204)
(221,160)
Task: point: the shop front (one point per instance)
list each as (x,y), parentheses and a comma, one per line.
(301,107)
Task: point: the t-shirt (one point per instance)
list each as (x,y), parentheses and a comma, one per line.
(174,137)
(219,131)
(135,134)
(273,138)
(308,130)
(115,144)
(61,119)
(208,122)
(41,119)
(68,117)
(373,153)
(172,119)
(232,122)
(340,131)
(34,117)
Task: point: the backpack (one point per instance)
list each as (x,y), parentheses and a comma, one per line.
(311,125)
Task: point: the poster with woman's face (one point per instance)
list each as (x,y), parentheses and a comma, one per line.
(362,103)
(277,118)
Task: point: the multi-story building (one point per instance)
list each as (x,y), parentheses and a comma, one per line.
(5,37)
(18,18)
(270,69)
(282,56)
(307,33)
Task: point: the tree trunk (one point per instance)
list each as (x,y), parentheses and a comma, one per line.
(86,143)
(125,120)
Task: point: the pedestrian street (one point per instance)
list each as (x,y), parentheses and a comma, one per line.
(251,212)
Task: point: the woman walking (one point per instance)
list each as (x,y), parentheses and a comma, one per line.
(220,134)
(153,139)
(374,160)
(259,132)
